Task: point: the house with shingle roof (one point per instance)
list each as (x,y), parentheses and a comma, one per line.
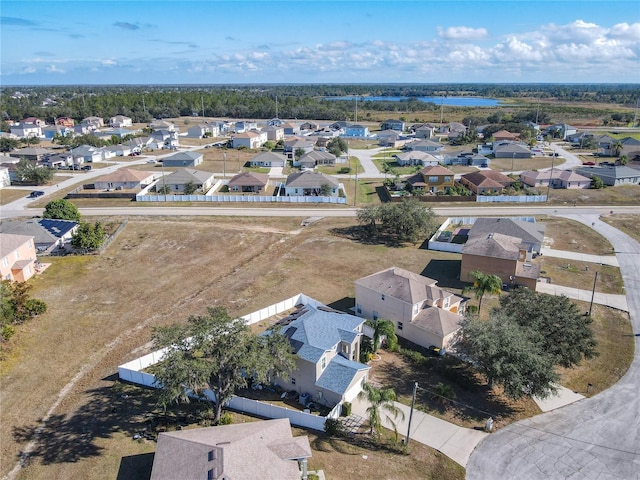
(47,234)
(267,159)
(501,255)
(120,121)
(327,347)
(504,135)
(416,157)
(486,181)
(183,159)
(393,124)
(249,182)
(425,145)
(124,179)
(612,175)
(249,139)
(17,257)
(178,180)
(32,153)
(530,233)
(555,179)
(311,184)
(433,179)
(356,130)
(264,450)
(630,148)
(422,312)
(315,157)
(511,150)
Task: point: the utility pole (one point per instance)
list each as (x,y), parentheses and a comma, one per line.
(202,106)
(593,292)
(224,165)
(413,401)
(553,159)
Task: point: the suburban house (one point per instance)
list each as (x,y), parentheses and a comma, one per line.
(486,181)
(274,133)
(183,159)
(339,126)
(422,312)
(26,130)
(555,178)
(531,234)
(87,153)
(47,234)
(32,153)
(357,131)
(275,122)
(327,345)
(267,159)
(165,138)
(64,122)
(263,450)
(311,184)
(393,124)
(416,157)
(389,138)
(162,125)
(309,126)
(112,132)
(97,122)
(124,179)
(49,132)
(202,129)
(17,257)
(467,159)
(242,126)
(504,135)
(630,148)
(120,150)
(249,182)
(58,161)
(314,158)
(424,131)
(249,139)
(612,175)
(120,121)
(177,180)
(428,146)
(560,130)
(294,143)
(501,255)
(433,179)
(34,121)
(510,150)
(291,128)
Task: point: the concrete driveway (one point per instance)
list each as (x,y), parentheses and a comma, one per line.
(595,438)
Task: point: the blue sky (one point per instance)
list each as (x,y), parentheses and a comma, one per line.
(169,42)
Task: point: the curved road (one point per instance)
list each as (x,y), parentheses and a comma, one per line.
(596,438)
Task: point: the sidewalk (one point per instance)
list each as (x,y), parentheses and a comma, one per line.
(609,299)
(455,442)
(581,257)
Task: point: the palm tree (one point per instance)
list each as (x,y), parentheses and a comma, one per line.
(483,284)
(380,399)
(616,146)
(382,327)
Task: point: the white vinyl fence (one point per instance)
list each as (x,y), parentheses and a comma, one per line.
(132,372)
(241,199)
(511,198)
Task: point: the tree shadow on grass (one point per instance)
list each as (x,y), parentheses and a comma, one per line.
(136,467)
(361,234)
(68,439)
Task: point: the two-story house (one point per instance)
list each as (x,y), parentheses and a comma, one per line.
(327,345)
(393,124)
(433,179)
(17,257)
(120,121)
(249,139)
(422,312)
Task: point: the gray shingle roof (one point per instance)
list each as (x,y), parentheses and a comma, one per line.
(186,175)
(310,180)
(494,245)
(181,156)
(528,232)
(339,374)
(399,283)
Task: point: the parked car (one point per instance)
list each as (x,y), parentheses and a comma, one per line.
(87,167)
(36,194)
(151,161)
(588,163)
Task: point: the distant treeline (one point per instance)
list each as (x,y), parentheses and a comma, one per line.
(143,103)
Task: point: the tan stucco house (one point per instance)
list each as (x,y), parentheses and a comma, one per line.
(433,179)
(422,312)
(17,257)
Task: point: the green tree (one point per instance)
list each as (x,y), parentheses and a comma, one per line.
(597,183)
(29,172)
(555,324)
(87,139)
(325,190)
(484,284)
(17,306)
(405,221)
(383,328)
(381,400)
(507,356)
(368,217)
(190,188)
(164,190)
(616,146)
(88,237)
(219,353)
(29,141)
(8,144)
(299,153)
(61,209)
(337,146)
(623,160)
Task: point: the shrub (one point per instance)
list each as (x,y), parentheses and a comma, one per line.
(346,409)
(224,188)
(334,428)
(225,419)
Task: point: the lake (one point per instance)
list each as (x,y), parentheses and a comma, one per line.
(448,101)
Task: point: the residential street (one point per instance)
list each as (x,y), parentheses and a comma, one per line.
(594,438)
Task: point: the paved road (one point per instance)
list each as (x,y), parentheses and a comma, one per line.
(596,438)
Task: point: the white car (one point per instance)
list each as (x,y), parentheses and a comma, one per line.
(151,161)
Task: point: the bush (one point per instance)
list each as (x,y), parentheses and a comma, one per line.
(225,419)
(346,409)
(334,428)
(224,189)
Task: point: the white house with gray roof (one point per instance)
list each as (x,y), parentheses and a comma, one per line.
(183,159)
(327,345)
(612,175)
(178,180)
(309,183)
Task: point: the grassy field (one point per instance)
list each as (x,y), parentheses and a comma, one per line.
(158,271)
(629,224)
(533,163)
(574,236)
(571,273)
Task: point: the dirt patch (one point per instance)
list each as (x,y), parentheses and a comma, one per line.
(574,236)
(627,223)
(571,273)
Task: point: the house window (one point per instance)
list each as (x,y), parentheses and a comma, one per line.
(293,381)
(399,325)
(433,179)
(447,179)
(5,263)
(416,307)
(358,306)
(324,362)
(375,315)
(211,456)
(383,296)
(210,475)
(345,348)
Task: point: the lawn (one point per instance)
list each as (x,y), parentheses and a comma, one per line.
(627,223)
(518,164)
(574,236)
(571,273)
(8,195)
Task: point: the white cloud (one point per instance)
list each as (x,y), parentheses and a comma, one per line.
(462,33)
(108,62)
(54,69)
(29,69)
(626,31)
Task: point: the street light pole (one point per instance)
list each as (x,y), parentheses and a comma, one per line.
(413,401)
(513,157)
(593,292)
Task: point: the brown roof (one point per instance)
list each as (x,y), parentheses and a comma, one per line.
(436,170)
(262,450)
(125,175)
(249,179)
(488,178)
(399,283)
